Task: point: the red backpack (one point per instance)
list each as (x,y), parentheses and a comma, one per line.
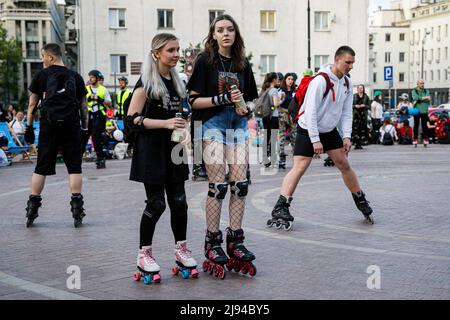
(297,102)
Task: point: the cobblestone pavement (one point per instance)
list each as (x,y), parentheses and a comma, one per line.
(330,254)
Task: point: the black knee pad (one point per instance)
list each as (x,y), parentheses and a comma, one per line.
(220,190)
(240,188)
(178,203)
(155,207)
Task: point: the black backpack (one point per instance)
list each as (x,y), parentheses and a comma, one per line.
(60,104)
(388,139)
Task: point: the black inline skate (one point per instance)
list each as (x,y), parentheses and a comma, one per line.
(101,164)
(199,173)
(282,162)
(216,258)
(363,205)
(240,258)
(329,162)
(77,210)
(33,205)
(281,216)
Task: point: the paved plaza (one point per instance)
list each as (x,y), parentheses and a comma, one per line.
(330,254)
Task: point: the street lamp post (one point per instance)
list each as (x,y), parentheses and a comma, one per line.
(423,52)
(309,34)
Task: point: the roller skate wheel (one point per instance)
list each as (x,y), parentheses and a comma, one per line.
(147,279)
(288,226)
(229,266)
(185,274)
(157,278)
(195,273)
(222,274)
(270,223)
(245,269)
(237,266)
(278,225)
(137,277)
(252,271)
(175,271)
(205,266)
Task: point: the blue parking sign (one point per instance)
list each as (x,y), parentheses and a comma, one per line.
(388,73)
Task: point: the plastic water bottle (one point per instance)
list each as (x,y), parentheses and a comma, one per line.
(241,105)
(178,134)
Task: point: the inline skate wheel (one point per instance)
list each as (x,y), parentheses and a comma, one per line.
(288,227)
(278,225)
(252,271)
(270,223)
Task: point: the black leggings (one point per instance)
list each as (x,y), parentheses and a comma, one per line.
(270,123)
(156,205)
(422,118)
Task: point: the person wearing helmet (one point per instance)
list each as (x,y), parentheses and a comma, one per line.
(308,73)
(376,115)
(98,99)
(403,110)
(361,103)
(121,97)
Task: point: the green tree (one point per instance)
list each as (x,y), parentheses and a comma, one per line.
(10,62)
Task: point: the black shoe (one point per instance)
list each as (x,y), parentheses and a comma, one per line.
(77,210)
(363,205)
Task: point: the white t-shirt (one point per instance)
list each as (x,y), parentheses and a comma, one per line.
(17,126)
(389,128)
(378,110)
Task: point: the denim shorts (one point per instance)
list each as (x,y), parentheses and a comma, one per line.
(226,127)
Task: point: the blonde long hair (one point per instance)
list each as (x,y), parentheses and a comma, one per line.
(151,77)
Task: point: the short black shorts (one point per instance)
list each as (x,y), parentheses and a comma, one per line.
(52,140)
(303,146)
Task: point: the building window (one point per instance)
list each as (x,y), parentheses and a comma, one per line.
(267,64)
(33,50)
(402,37)
(401,77)
(446,30)
(31,29)
(438,75)
(117,18)
(118,64)
(165,19)
(374,77)
(445,75)
(388,37)
(413,36)
(322,21)
(446,53)
(431,75)
(319,61)
(268,20)
(412,57)
(387,57)
(438,55)
(214,14)
(402,57)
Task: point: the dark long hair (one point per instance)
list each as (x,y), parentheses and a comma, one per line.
(237,50)
(284,84)
(268,80)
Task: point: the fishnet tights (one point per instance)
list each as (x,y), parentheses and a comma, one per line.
(216,156)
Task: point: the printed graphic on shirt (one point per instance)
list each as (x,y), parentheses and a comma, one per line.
(171,103)
(226,80)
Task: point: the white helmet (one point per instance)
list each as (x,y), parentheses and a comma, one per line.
(118,135)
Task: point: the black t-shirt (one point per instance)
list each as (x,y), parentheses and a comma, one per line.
(167,107)
(288,99)
(152,156)
(39,83)
(212,80)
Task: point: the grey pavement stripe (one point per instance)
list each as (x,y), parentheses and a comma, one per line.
(39,289)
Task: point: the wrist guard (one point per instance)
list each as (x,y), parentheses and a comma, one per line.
(222,99)
(139,127)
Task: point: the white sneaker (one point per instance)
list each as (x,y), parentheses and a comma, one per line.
(183,255)
(146,262)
